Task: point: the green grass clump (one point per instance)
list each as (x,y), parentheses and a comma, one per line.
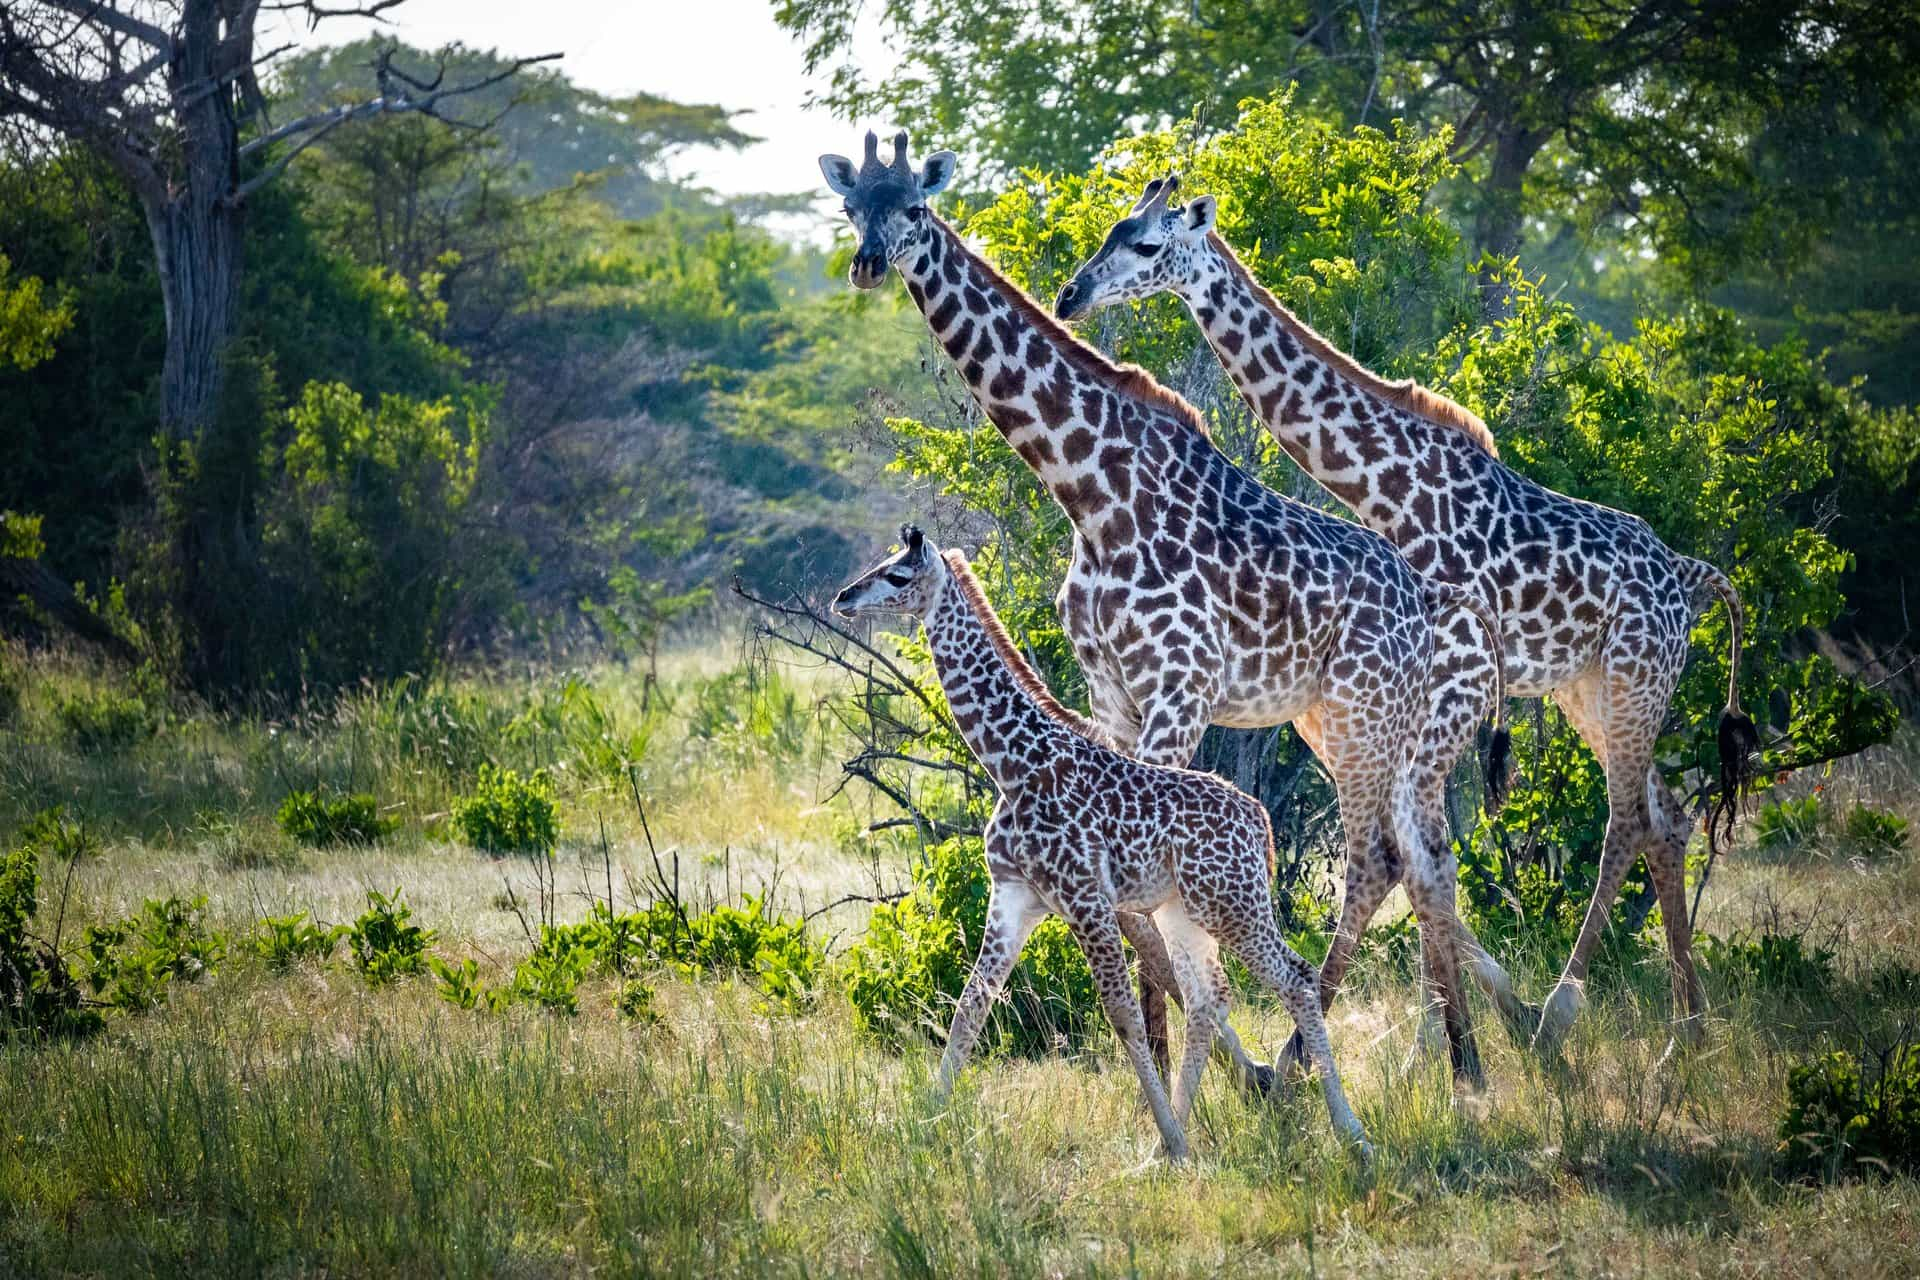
(1781,824)
(506,813)
(1767,961)
(1876,831)
(1840,1119)
(321,819)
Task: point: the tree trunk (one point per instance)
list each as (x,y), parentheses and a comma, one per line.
(1498,221)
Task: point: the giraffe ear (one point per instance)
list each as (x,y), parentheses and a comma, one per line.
(1200,215)
(839,173)
(937,173)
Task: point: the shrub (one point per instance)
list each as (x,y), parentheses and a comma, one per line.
(1839,1117)
(509,814)
(104,720)
(1876,831)
(906,974)
(635,1002)
(385,943)
(1781,824)
(1767,961)
(133,962)
(284,941)
(319,819)
(460,985)
(37,993)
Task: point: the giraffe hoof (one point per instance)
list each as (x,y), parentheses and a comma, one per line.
(1557,1017)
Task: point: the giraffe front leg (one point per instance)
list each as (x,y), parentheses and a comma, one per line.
(1098,933)
(1011,917)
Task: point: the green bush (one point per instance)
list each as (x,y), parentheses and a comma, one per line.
(775,953)
(105,720)
(906,974)
(1767,961)
(1839,1118)
(634,1001)
(319,819)
(132,963)
(38,994)
(1876,831)
(384,941)
(1782,824)
(283,941)
(508,814)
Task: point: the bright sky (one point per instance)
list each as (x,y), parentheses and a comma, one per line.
(724,51)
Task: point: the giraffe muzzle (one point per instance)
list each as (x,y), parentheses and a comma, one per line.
(1072,301)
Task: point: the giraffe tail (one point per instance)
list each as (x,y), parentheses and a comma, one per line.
(1739,741)
(1443,598)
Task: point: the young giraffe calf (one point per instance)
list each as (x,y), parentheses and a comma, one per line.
(1085,832)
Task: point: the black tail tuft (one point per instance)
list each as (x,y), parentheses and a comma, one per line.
(1739,744)
(1496,762)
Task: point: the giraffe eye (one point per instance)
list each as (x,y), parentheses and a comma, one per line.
(1147,250)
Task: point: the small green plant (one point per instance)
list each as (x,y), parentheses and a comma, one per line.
(1875,831)
(1781,824)
(1767,961)
(508,814)
(551,978)
(319,819)
(1840,1117)
(132,963)
(284,941)
(459,985)
(385,942)
(634,1001)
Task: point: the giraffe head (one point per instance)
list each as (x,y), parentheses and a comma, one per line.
(1149,251)
(886,203)
(908,581)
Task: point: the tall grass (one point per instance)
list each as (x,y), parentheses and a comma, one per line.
(291,1120)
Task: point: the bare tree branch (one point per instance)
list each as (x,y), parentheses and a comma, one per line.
(107,16)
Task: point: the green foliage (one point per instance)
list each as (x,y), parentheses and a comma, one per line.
(38,996)
(747,713)
(569,717)
(12,686)
(634,1002)
(321,819)
(1840,1118)
(1876,831)
(28,323)
(772,952)
(905,974)
(1767,961)
(284,941)
(363,534)
(1786,823)
(131,963)
(508,814)
(384,941)
(459,984)
(103,719)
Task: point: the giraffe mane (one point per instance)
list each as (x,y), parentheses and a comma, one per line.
(1405,393)
(1127,379)
(1023,673)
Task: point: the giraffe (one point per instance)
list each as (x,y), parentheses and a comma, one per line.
(1593,609)
(1083,832)
(1194,595)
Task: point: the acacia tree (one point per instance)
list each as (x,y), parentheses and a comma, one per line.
(168,93)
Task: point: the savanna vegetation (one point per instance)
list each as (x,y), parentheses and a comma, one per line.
(441,830)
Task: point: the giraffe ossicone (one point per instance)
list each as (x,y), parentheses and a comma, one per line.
(1083,832)
(1194,594)
(1592,608)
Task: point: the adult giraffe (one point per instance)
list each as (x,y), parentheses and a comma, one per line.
(1195,596)
(1594,610)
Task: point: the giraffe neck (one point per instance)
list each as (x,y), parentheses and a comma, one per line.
(1345,435)
(1057,401)
(999,714)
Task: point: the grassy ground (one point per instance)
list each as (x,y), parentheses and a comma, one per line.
(301,1122)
